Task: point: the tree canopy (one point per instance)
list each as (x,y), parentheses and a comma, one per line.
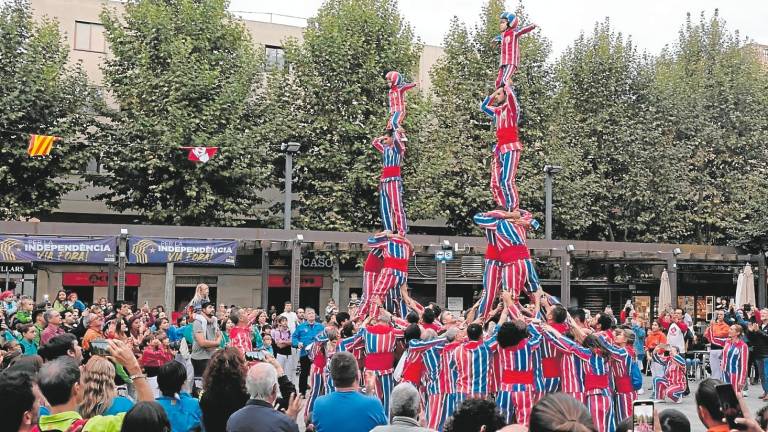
(183,73)
(40,93)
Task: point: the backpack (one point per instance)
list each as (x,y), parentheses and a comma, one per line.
(636,375)
(76,426)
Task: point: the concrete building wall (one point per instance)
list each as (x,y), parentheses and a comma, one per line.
(69,12)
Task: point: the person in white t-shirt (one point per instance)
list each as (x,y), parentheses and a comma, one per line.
(677,331)
(288,313)
(293,360)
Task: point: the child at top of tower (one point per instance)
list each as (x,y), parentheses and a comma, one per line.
(396,99)
(509,57)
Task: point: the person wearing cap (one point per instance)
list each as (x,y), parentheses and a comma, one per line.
(396,99)
(509,39)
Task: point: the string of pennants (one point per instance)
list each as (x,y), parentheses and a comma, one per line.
(41,146)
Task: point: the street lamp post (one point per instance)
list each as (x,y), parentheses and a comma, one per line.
(549,173)
(289,149)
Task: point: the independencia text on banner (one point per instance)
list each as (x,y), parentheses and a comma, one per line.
(95,250)
(158,250)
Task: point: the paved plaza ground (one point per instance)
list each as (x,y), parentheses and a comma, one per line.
(688,407)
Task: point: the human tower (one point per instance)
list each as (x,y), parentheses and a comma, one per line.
(530,352)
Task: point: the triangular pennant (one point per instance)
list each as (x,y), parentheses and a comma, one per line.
(201,154)
(40,145)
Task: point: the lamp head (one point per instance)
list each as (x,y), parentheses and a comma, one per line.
(291,147)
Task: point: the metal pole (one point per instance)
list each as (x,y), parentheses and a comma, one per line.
(265,275)
(761,280)
(295,272)
(336,271)
(672,273)
(288,184)
(565,279)
(170,288)
(548,205)
(441,297)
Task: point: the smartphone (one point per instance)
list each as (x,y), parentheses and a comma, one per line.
(99,347)
(729,405)
(254,355)
(642,415)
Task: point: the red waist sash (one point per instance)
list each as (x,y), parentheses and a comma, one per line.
(373,264)
(319,361)
(507,135)
(491,252)
(390,171)
(551,367)
(379,361)
(510,254)
(412,372)
(595,382)
(517,377)
(396,263)
(624,384)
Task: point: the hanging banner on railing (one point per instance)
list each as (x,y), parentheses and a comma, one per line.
(94,250)
(158,250)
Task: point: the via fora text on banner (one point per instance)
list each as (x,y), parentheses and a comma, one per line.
(92,250)
(158,250)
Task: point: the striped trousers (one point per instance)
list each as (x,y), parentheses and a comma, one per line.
(435,411)
(505,73)
(391,205)
(384,385)
(516,406)
(389,281)
(516,276)
(736,379)
(492,276)
(504,179)
(316,389)
(396,119)
(601,408)
(369,282)
(623,405)
(663,388)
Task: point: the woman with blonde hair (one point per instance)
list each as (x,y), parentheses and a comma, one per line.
(99,391)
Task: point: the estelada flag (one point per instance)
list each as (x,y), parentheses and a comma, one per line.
(201,154)
(40,145)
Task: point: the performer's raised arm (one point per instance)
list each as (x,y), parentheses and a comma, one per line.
(525,29)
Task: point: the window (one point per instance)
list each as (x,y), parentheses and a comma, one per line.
(89,37)
(275,57)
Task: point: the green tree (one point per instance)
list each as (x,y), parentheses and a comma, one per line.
(716,95)
(340,107)
(39,93)
(618,176)
(461,80)
(184,73)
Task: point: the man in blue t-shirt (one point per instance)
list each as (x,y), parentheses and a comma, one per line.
(346,409)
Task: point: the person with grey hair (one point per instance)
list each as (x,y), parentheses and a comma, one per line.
(404,410)
(52,326)
(259,413)
(302,338)
(346,409)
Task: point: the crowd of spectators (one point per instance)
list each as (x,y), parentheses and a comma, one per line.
(68,366)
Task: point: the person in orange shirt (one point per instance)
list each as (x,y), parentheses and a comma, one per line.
(717,335)
(94,331)
(654,338)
